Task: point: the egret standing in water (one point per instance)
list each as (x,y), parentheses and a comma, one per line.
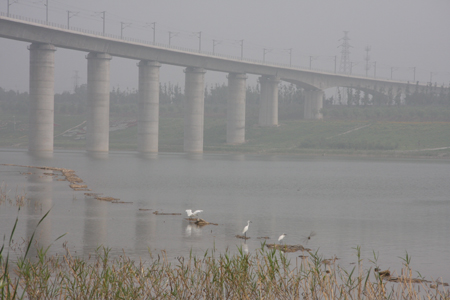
(282,237)
(246,228)
(192,214)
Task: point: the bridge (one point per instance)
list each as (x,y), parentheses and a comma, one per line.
(46,38)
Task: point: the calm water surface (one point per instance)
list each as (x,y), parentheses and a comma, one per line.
(383,205)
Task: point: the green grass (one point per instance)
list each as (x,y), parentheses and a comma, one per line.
(331,136)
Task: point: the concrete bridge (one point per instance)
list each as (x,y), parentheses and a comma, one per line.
(45,39)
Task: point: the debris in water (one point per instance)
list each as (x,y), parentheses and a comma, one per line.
(242,237)
(288,248)
(165,214)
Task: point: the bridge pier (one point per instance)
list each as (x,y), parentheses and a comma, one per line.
(148,112)
(236,108)
(97,124)
(268,102)
(42,97)
(194,109)
(313,104)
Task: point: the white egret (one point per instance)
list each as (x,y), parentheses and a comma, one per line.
(246,228)
(192,214)
(282,237)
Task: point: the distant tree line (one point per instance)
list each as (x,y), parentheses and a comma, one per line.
(414,95)
(289,97)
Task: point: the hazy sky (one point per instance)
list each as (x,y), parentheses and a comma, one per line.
(401,33)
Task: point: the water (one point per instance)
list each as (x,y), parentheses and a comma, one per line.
(389,206)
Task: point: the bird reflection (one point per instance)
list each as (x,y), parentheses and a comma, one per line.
(245,247)
(193,230)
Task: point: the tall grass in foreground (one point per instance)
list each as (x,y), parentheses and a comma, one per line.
(266,274)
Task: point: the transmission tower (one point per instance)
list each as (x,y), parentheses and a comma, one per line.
(345,66)
(367,59)
(75,80)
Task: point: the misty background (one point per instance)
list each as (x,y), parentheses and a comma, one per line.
(402,35)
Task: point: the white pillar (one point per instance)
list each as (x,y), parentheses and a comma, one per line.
(97,125)
(236,108)
(194,108)
(148,113)
(313,104)
(42,97)
(268,102)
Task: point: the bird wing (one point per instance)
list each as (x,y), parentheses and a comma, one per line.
(197,211)
(189,212)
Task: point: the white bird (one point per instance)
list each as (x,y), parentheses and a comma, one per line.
(246,228)
(282,237)
(192,214)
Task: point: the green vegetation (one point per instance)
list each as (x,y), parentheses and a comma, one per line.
(416,128)
(264,274)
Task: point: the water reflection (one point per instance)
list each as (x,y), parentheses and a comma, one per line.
(97,155)
(145,229)
(193,230)
(95,225)
(194,156)
(41,154)
(147,156)
(40,193)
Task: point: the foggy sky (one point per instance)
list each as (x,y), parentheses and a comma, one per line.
(402,34)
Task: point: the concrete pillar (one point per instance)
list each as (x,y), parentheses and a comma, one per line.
(313,104)
(236,108)
(42,97)
(268,102)
(194,109)
(97,124)
(148,113)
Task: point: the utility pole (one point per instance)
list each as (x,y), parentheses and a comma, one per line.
(414,74)
(215,43)
(290,57)
(264,54)
(367,58)
(242,49)
(335,63)
(374,69)
(345,65)
(9,3)
(199,41)
(70,14)
(104,18)
(154,32)
(310,61)
(171,35)
(46,12)
(123,25)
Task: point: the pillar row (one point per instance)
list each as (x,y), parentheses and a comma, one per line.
(42,97)
(148,113)
(236,108)
(313,104)
(268,102)
(97,123)
(194,109)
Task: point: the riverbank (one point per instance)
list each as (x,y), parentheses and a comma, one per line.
(312,137)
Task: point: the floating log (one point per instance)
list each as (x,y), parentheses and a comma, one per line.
(242,237)
(144,209)
(201,222)
(287,248)
(165,214)
(263,237)
(109,199)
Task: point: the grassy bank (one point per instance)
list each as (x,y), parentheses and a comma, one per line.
(389,131)
(266,274)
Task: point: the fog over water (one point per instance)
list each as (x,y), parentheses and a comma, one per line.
(389,206)
(403,35)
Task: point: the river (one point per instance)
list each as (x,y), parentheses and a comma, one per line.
(385,206)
